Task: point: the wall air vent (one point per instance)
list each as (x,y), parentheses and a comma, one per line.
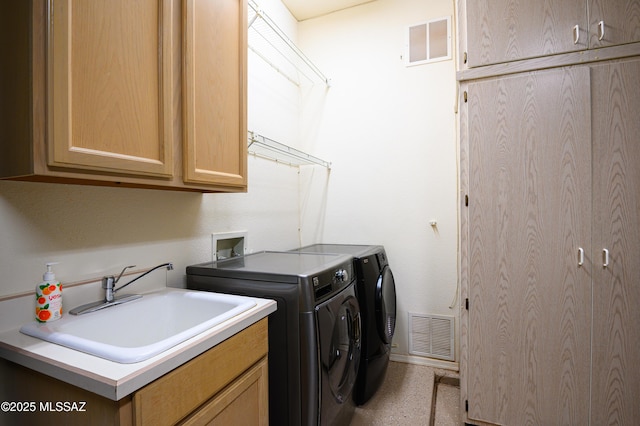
(428,42)
(432,336)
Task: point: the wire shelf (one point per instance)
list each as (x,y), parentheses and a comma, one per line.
(281,153)
(271,44)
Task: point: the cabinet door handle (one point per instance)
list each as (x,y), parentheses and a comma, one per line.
(576,34)
(580,256)
(600,30)
(605,258)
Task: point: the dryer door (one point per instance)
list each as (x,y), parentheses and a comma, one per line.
(339,335)
(386,305)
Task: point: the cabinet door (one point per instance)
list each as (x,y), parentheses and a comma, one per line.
(215,97)
(529,213)
(244,402)
(508,30)
(109,106)
(620,22)
(616,292)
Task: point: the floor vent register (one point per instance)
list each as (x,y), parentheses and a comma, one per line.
(432,336)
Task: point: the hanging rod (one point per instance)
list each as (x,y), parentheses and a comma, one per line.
(259,13)
(281,153)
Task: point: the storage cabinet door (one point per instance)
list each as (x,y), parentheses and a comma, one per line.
(529,213)
(109,83)
(620,22)
(508,30)
(244,402)
(616,291)
(214,92)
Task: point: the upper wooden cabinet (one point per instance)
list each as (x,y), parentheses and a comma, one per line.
(139,94)
(613,22)
(214,91)
(109,83)
(507,30)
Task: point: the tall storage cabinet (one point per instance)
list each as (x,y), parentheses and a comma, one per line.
(616,243)
(529,211)
(550,237)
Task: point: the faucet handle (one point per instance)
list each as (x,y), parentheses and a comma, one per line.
(124,269)
(109,283)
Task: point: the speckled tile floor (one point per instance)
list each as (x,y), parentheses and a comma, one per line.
(447,405)
(406,398)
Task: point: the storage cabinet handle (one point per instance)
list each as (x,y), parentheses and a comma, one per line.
(605,258)
(580,256)
(600,30)
(576,34)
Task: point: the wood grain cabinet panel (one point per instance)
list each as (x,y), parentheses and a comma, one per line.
(550,242)
(529,212)
(613,22)
(174,396)
(499,31)
(109,82)
(244,402)
(508,30)
(214,91)
(616,274)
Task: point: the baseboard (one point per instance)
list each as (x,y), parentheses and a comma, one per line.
(429,362)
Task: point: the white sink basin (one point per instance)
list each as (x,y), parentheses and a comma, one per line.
(138,330)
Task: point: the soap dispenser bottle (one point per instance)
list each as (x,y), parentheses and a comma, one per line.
(49,297)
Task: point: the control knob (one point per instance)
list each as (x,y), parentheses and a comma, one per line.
(342,275)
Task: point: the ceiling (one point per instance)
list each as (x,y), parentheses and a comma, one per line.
(305,9)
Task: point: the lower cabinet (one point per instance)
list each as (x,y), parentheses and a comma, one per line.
(228,384)
(244,402)
(549,246)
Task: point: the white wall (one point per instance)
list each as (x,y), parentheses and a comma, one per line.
(389,131)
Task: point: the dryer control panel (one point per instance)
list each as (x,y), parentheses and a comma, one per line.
(331,282)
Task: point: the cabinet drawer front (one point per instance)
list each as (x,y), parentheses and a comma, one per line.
(178,393)
(245,401)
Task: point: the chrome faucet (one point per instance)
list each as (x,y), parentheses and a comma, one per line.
(108,284)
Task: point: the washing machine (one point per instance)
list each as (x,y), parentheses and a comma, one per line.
(376,293)
(314,335)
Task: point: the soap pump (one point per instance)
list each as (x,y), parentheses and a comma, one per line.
(49,297)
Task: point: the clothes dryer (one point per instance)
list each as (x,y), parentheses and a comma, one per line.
(314,335)
(376,293)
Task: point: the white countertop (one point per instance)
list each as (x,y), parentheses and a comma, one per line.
(111,379)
